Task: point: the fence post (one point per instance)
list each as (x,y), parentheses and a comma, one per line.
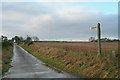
(99,36)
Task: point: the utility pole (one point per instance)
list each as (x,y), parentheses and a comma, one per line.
(99,37)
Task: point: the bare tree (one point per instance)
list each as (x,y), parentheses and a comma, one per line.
(91,39)
(21,38)
(29,39)
(35,38)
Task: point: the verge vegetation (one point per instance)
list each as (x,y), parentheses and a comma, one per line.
(7,53)
(78,58)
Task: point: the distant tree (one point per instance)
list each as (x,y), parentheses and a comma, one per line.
(4,38)
(21,39)
(28,40)
(35,38)
(17,39)
(13,39)
(91,39)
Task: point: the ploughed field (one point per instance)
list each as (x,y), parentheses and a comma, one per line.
(79,58)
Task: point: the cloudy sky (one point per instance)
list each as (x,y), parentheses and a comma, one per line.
(59,20)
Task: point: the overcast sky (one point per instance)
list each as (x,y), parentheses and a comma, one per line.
(59,20)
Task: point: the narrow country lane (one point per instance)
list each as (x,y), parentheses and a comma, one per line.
(27,66)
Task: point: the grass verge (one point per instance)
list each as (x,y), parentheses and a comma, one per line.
(7,54)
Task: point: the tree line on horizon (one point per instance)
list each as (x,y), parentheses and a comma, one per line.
(92,39)
(30,40)
(19,39)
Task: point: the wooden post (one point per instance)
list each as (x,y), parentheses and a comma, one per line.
(99,36)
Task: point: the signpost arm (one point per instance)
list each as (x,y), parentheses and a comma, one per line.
(99,35)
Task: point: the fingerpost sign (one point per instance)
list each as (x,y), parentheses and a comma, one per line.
(99,36)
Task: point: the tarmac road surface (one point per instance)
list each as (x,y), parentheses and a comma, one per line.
(24,65)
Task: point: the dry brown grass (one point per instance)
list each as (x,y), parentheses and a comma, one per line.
(79,58)
(79,46)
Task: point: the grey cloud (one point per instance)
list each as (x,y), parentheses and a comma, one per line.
(56,23)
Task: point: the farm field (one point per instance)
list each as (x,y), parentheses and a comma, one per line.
(79,46)
(79,58)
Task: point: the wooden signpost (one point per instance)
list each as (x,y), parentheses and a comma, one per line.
(99,36)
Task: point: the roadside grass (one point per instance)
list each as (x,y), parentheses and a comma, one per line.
(85,64)
(7,53)
(0,58)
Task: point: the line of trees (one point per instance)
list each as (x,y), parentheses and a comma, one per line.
(19,39)
(92,39)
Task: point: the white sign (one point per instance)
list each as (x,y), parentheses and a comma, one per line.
(94,27)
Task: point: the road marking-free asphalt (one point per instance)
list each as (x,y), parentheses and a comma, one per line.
(27,66)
